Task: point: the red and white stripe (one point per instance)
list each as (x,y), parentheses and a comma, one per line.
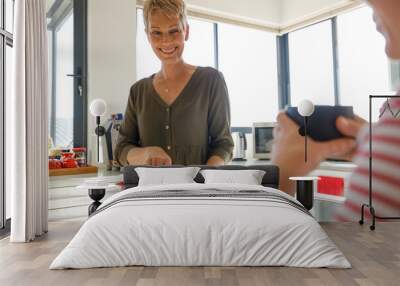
(385,170)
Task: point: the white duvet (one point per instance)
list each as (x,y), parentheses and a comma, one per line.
(200,231)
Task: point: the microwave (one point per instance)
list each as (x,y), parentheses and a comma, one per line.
(262,139)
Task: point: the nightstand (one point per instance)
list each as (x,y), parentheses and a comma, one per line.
(66,201)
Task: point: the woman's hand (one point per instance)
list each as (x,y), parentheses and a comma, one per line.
(154,156)
(215,161)
(288,148)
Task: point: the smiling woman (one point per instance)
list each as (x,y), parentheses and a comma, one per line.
(181,114)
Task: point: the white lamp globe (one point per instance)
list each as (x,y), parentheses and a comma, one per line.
(98,107)
(305,108)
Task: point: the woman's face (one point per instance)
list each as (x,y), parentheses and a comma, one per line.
(167,36)
(387,18)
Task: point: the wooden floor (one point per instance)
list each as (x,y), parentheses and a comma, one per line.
(375,257)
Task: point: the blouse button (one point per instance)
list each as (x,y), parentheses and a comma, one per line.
(167,109)
(166,127)
(169,147)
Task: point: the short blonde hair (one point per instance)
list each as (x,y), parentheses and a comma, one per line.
(169,7)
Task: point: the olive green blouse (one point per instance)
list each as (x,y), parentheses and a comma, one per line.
(193,128)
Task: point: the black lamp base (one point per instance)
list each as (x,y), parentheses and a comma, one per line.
(305,193)
(96,195)
(305,190)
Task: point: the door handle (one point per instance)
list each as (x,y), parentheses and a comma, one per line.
(80,90)
(79,77)
(75,75)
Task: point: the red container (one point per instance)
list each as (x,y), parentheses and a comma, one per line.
(80,156)
(69,163)
(55,164)
(68,160)
(331,186)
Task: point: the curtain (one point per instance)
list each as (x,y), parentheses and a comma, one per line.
(27,132)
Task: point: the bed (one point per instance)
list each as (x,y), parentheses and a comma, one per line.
(201,224)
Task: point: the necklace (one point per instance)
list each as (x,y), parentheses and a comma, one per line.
(164,82)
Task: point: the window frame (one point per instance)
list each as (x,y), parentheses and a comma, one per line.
(6,39)
(282,48)
(335,54)
(80,106)
(284,63)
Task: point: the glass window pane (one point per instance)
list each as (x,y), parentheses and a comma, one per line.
(8,89)
(199,49)
(1,15)
(50,72)
(248,60)
(9,15)
(2,137)
(64,85)
(311,64)
(364,67)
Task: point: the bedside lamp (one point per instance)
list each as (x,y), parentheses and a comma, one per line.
(98,108)
(305,185)
(305,109)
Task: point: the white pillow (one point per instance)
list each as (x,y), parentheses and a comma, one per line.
(248,177)
(165,176)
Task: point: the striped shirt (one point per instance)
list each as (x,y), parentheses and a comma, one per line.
(385,168)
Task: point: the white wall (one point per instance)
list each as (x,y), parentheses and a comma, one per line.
(258,11)
(111,56)
(295,10)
